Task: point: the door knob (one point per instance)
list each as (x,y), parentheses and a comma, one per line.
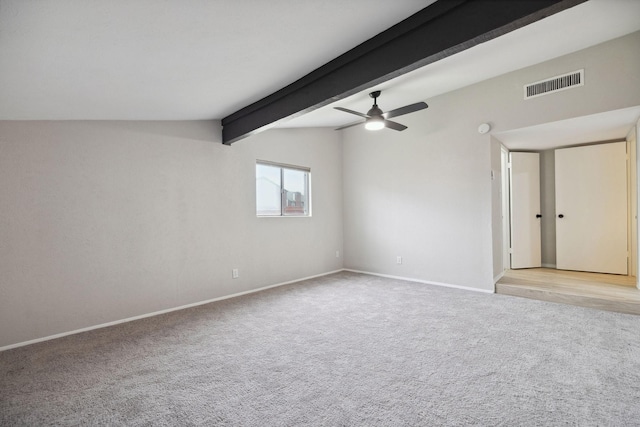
(560,216)
(538,216)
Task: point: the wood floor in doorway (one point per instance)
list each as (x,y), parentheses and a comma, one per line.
(601,291)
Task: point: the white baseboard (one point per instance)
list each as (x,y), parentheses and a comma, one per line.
(426,282)
(498,277)
(156,313)
(182,307)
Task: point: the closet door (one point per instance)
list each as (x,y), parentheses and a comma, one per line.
(591,208)
(526,245)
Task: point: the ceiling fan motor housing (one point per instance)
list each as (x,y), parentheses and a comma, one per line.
(374,111)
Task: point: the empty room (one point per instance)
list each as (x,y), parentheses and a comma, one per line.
(319,213)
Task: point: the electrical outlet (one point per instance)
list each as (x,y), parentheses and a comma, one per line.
(399,260)
(234,273)
(337,254)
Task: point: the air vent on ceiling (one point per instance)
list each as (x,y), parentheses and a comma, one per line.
(554,84)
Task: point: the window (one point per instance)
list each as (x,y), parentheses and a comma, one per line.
(282,190)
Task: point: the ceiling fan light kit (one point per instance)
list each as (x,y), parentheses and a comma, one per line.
(374,123)
(376,119)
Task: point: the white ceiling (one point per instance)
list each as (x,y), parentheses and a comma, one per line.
(205,59)
(170,59)
(607,126)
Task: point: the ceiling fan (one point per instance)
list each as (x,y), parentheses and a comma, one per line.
(375,119)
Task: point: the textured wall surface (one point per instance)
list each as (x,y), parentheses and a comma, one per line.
(102,221)
(425,194)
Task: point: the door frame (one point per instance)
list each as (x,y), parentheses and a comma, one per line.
(505,208)
(634,189)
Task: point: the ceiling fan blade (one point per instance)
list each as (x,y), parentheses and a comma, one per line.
(346,110)
(405,110)
(394,125)
(349,125)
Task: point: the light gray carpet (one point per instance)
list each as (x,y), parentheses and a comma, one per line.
(341,350)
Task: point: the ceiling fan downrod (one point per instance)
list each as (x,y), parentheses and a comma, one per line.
(375,110)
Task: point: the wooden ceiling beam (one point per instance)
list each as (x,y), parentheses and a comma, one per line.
(444,28)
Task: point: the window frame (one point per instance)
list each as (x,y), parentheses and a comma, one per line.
(283,200)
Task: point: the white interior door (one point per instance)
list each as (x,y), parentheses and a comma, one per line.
(526,245)
(591,208)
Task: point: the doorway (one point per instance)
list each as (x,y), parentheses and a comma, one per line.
(544,139)
(607,291)
(583,194)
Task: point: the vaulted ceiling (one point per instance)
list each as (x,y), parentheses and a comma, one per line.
(199,59)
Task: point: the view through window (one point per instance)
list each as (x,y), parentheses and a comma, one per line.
(282,190)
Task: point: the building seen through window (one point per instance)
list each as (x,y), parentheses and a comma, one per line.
(282,190)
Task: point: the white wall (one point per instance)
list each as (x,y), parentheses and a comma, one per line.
(426,194)
(423,194)
(102,221)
